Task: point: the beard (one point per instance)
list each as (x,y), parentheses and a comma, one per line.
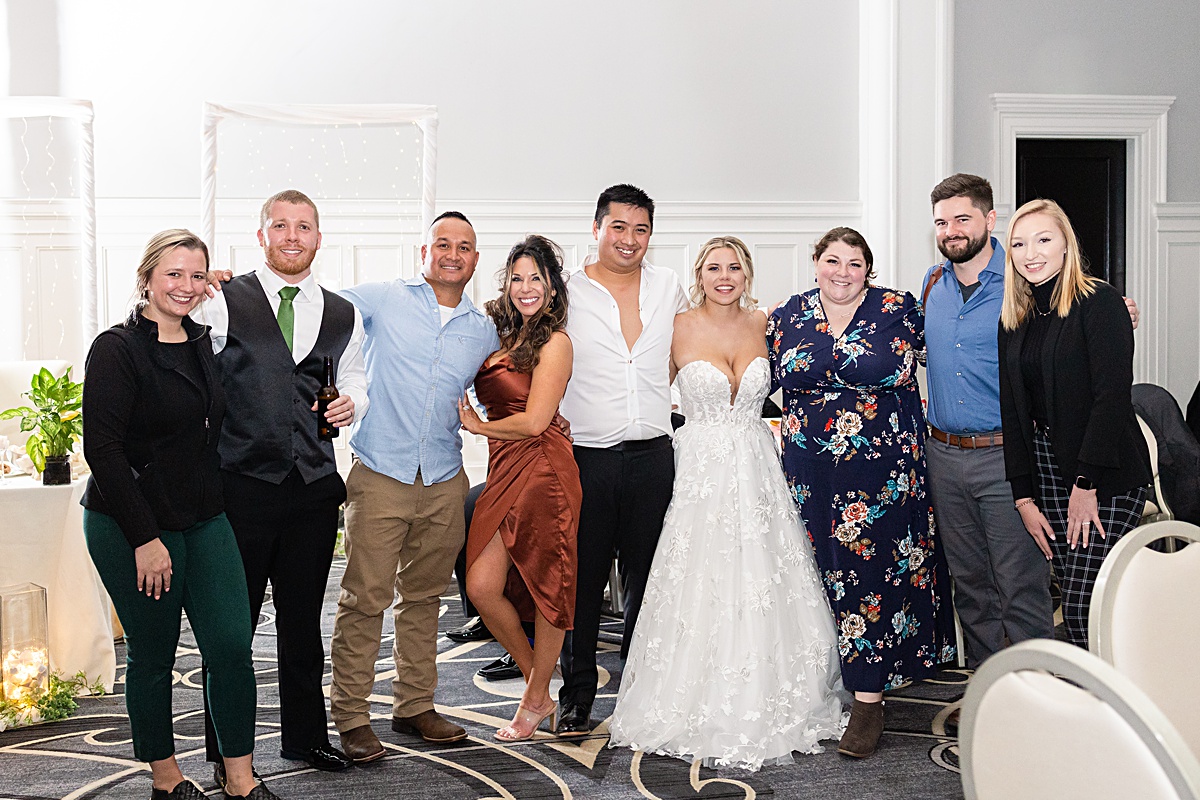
(286,266)
(964,251)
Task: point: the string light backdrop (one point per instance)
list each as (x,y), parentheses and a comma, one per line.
(49,300)
(371,169)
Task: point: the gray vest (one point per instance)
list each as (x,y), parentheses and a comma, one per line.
(269,427)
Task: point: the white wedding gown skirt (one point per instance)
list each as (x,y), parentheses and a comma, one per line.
(734,660)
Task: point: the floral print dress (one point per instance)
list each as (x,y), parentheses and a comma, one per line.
(853,451)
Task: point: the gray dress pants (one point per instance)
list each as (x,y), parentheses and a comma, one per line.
(1001,579)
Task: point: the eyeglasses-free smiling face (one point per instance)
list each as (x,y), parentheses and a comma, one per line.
(1038,247)
(290,238)
(841,273)
(962,230)
(449,260)
(622,237)
(722,277)
(527,288)
(176,285)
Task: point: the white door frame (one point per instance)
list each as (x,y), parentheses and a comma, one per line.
(1141,120)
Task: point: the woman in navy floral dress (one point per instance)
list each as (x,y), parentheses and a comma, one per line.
(853,449)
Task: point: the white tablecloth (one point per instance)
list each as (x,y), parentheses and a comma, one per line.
(41,541)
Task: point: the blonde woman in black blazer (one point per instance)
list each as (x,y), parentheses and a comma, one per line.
(1074,454)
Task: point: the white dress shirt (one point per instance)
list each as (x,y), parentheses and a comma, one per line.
(308,306)
(616,393)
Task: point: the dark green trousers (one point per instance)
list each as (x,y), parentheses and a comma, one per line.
(208,583)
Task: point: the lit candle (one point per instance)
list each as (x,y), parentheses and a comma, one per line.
(26,674)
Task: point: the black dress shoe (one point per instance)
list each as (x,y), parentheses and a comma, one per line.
(575,719)
(326,758)
(502,669)
(473,631)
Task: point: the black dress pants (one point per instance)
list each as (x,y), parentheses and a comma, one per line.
(460,564)
(626,491)
(286,534)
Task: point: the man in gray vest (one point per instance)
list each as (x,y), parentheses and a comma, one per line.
(271,331)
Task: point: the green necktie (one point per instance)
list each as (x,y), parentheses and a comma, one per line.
(287,315)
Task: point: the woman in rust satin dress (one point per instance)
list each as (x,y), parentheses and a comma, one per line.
(521,546)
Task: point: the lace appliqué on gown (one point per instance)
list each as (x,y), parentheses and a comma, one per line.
(734,660)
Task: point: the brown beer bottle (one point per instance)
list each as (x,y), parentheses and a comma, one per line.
(326,395)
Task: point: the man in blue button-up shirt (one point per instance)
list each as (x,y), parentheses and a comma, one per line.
(404,509)
(1001,578)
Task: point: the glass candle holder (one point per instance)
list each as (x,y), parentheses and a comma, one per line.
(24,643)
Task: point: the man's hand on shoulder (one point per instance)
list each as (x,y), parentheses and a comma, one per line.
(1133,311)
(215,278)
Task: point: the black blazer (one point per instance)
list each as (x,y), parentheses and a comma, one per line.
(150,432)
(1087,360)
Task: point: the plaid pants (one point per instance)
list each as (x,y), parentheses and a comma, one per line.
(1077,569)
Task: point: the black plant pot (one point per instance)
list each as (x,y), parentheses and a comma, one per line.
(57,472)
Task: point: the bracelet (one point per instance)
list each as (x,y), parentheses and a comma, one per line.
(1022,503)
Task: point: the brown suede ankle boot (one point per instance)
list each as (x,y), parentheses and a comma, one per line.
(863,732)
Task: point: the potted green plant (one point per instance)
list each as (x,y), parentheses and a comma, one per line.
(55,423)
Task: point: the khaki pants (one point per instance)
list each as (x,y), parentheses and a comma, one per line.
(400,538)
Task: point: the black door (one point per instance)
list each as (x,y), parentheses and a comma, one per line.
(1087,178)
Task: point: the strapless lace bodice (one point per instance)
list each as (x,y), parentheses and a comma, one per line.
(705,392)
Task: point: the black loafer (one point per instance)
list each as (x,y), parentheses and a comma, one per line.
(473,631)
(184,790)
(575,719)
(259,792)
(502,669)
(326,758)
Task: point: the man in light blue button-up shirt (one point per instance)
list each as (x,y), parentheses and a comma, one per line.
(1001,578)
(425,341)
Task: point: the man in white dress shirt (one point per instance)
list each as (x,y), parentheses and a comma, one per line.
(271,331)
(619,405)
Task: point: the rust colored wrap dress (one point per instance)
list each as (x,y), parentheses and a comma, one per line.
(532,499)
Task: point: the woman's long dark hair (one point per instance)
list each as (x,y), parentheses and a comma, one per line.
(523,339)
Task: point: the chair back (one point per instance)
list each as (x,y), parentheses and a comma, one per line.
(1156,508)
(1143,619)
(1088,734)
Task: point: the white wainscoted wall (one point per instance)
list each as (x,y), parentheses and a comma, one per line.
(371,241)
(1173,300)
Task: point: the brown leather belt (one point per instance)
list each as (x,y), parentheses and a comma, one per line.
(993,439)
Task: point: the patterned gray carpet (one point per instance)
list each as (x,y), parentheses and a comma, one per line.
(89,755)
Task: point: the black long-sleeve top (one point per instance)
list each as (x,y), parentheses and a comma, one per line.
(152,415)
(1087,376)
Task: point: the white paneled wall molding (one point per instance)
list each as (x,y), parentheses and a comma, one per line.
(1170,315)
(367,240)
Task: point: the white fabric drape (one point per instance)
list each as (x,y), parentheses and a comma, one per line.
(425,117)
(80,110)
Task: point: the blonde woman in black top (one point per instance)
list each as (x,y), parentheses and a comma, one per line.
(1074,454)
(154,515)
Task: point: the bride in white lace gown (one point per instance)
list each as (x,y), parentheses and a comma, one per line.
(734,660)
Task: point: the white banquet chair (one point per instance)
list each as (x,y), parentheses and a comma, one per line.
(1143,619)
(1045,719)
